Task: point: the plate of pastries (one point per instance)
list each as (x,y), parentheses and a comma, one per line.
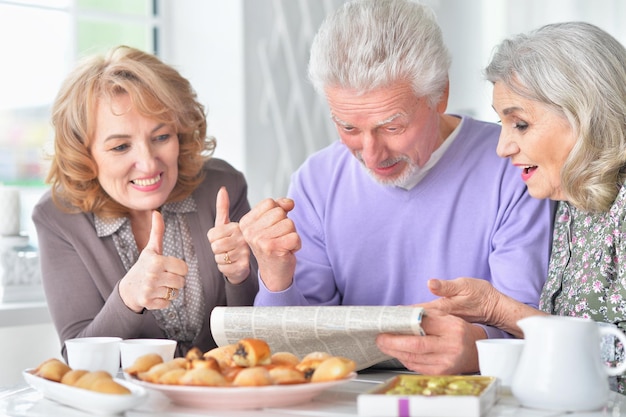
(243,375)
(96,392)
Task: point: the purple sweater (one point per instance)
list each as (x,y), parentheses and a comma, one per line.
(368,244)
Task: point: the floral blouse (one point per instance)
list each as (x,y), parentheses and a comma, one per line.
(587,272)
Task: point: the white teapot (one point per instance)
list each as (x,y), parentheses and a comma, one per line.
(561,367)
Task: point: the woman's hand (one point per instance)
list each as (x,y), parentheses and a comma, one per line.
(472,299)
(155,279)
(274,241)
(477,301)
(232,254)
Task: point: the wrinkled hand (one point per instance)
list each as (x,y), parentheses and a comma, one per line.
(472,299)
(232,254)
(274,241)
(449,346)
(147,284)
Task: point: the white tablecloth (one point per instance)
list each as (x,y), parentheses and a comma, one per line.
(340,401)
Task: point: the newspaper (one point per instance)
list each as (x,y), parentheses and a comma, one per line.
(348,331)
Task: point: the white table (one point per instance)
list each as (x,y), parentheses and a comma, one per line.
(24,401)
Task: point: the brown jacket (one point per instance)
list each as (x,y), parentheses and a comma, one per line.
(81,271)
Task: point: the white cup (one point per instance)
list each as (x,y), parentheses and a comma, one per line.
(499,358)
(94,353)
(608,350)
(131,349)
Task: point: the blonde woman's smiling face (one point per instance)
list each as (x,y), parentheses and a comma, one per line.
(137,157)
(536,138)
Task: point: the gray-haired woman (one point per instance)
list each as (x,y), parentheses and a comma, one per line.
(560,92)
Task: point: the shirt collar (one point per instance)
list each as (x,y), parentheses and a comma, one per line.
(108,226)
(420,173)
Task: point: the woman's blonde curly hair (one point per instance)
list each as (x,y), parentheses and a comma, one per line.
(156,90)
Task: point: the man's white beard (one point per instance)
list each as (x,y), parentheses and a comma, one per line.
(405,180)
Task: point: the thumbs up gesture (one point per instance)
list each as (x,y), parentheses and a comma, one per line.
(232,254)
(155,279)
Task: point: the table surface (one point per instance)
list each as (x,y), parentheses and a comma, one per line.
(24,401)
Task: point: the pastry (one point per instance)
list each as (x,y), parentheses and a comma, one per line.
(308,366)
(223,355)
(171,377)
(154,373)
(230,372)
(253,377)
(316,356)
(332,369)
(144,363)
(208,362)
(108,386)
(88,379)
(72,376)
(284,358)
(178,363)
(285,375)
(100,381)
(52,369)
(202,377)
(193,353)
(252,352)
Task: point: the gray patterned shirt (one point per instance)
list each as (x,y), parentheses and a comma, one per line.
(183,318)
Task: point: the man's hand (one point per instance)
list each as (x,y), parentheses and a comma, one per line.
(449,346)
(274,241)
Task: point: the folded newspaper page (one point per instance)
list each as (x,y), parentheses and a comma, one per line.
(348,331)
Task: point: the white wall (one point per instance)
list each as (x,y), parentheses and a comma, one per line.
(23,347)
(206,46)
(206,43)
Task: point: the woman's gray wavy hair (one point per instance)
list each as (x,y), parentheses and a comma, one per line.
(370,44)
(579,70)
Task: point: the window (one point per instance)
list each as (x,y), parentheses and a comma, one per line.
(42,39)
